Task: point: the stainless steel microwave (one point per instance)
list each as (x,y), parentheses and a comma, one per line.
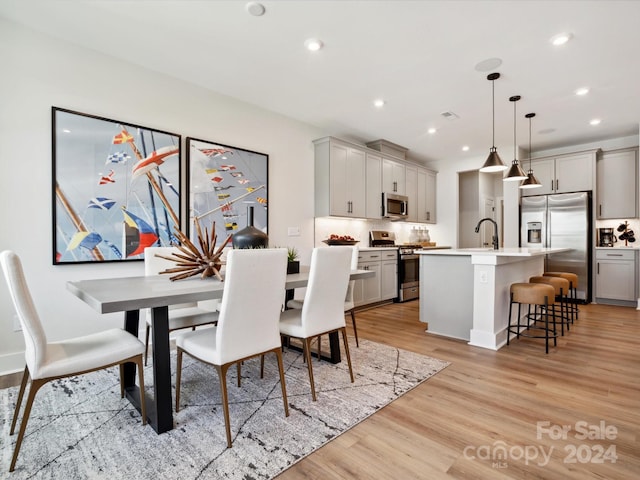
(394,206)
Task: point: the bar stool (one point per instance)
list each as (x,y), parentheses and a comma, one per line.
(561,289)
(538,294)
(573,287)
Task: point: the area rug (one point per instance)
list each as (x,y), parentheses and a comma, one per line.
(80,428)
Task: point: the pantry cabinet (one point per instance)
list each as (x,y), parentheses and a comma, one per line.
(421,191)
(373,186)
(564,173)
(617,184)
(339,179)
(616,276)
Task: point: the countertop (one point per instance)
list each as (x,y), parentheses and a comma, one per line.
(502,252)
(635,247)
(437,247)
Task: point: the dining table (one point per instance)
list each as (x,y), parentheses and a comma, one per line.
(157,293)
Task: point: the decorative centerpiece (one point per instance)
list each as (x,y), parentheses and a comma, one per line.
(250,236)
(340,240)
(626,235)
(192,261)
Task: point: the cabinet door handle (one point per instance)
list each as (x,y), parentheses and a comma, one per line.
(557,187)
(600,210)
(428,215)
(598,268)
(614,255)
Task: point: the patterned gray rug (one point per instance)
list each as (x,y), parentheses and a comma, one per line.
(80,428)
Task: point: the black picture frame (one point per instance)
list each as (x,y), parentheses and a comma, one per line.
(115,190)
(223,181)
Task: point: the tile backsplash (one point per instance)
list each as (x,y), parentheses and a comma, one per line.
(359,229)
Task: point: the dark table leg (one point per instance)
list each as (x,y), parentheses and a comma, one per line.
(159,408)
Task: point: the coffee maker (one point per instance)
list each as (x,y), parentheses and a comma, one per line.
(606,237)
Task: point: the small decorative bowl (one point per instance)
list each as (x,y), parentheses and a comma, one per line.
(340,242)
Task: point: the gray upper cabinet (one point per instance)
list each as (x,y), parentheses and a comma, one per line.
(339,179)
(393,177)
(617,184)
(564,173)
(374,185)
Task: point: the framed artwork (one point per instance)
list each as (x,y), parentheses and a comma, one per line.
(116,188)
(227,185)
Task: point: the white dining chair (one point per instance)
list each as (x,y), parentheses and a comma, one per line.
(46,361)
(322,310)
(247,323)
(184,315)
(349,305)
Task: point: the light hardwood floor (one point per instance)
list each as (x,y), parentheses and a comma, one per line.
(486,399)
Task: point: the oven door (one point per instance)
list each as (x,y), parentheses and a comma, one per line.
(408,277)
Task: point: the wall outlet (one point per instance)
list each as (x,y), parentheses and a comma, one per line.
(17,327)
(483,277)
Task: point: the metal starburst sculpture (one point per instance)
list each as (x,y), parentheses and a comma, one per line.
(193,261)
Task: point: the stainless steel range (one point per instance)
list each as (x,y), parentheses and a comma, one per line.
(408,264)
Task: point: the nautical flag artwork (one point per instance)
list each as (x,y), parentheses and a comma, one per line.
(142,175)
(261,200)
(138,234)
(117,157)
(122,137)
(101,203)
(108,178)
(86,240)
(221,181)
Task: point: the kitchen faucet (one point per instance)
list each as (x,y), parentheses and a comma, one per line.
(495,231)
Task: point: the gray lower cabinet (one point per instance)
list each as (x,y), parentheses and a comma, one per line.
(384,285)
(617,276)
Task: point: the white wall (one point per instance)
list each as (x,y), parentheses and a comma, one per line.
(39,72)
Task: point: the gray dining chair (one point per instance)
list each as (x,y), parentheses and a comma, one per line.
(247,326)
(47,361)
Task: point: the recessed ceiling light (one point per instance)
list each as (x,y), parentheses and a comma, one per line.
(465,148)
(488,65)
(378,103)
(561,39)
(431,131)
(313,44)
(582,91)
(66,130)
(595,121)
(254,8)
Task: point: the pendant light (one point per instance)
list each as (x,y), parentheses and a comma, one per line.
(493,163)
(531,181)
(515,173)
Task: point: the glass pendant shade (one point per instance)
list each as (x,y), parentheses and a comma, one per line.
(531,181)
(515,173)
(493,163)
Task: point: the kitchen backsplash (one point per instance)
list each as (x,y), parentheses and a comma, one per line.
(359,229)
(634,224)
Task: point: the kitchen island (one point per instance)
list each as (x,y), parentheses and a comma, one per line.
(464,293)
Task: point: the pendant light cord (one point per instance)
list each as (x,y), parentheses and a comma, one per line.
(514,131)
(530,143)
(493,113)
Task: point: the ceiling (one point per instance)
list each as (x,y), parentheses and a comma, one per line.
(419,56)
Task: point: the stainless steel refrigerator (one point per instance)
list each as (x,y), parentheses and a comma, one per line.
(561,221)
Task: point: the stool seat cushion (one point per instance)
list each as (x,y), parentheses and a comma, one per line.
(571,277)
(533,293)
(559,284)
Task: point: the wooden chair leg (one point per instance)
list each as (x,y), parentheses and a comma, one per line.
(222,374)
(319,347)
(282,384)
(262,365)
(23,385)
(239,369)
(35,386)
(143,401)
(146,345)
(355,330)
(346,351)
(306,346)
(178,377)
(121,367)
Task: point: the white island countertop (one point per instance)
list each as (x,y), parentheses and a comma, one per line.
(501,252)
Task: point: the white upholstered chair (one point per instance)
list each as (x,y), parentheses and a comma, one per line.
(248,321)
(349,305)
(46,361)
(323,306)
(184,315)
